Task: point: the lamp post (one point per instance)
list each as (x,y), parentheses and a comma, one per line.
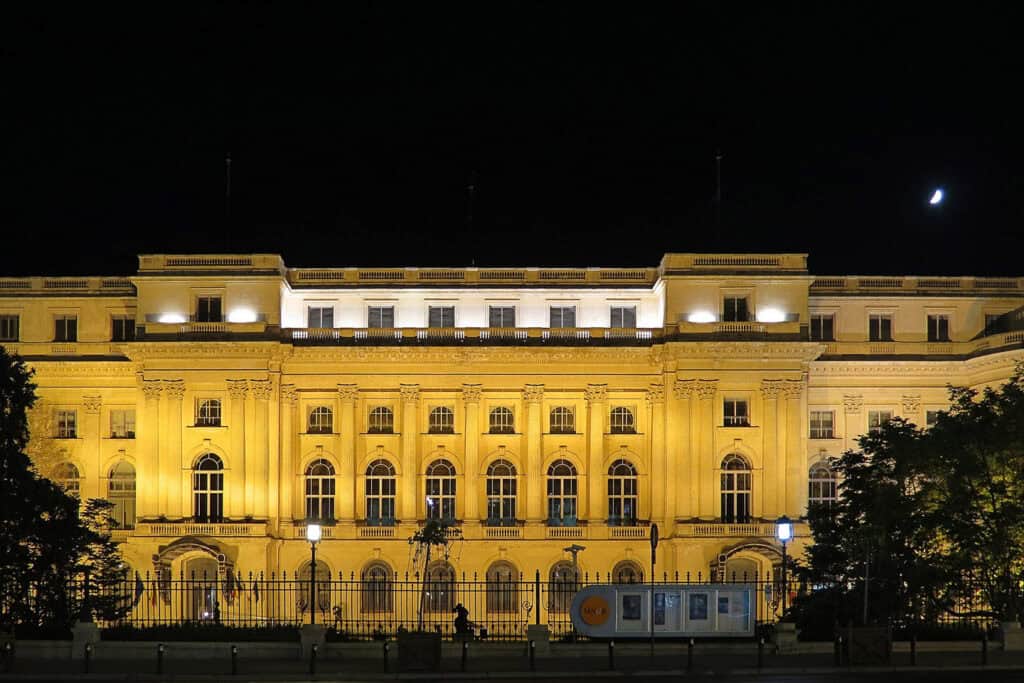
(313,536)
(784,533)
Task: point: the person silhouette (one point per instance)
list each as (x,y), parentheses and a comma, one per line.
(461,620)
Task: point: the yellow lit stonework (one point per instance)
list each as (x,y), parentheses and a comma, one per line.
(641,384)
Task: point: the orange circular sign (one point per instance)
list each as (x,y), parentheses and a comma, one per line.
(594,610)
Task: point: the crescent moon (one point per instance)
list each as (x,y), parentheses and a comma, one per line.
(936,198)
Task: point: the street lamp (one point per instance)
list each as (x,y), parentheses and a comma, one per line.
(313,536)
(784,532)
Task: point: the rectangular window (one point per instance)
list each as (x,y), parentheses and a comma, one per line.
(9,327)
(501,316)
(563,420)
(320,316)
(563,316)
(992,323)
(877,419)
(65,328)
(880,327)
(823,327)
(122,328)
(67,427)
(208,412)
(380,316)
(822,424)
(122,423)
(737,413)
(931,417)
(441,316)
(209,310)
(736,309)
(623,316)
(938,328)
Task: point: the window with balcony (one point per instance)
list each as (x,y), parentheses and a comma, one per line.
(65,328)
(208,412)
(877,420)
(66,476)
(376,588)
(321,420)
(622,421)
(822,486)
(441,491)
(441,316)
(501,316)
(823,327)
(382,421)
(441,421)
(9,328)
(320,491)
(320,316)
(562,494)
(735,489)
(623,316)
(501,493)
(503,588)
(622,494)
(501,420)
(736,412)
(121,493)
(122,423)
(380,316)
(822,424)
(938,328)
(880,327)
(208,489)
(563,316)
(380,493)
(122,328)
(209,309)
(65,424)
(735,309)
(563,420)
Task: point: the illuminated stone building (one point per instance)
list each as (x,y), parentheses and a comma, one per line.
(223,400)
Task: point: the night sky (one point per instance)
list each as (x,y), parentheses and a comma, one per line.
(591,128)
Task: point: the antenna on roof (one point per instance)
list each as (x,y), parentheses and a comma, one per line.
(227,196)
(718,188)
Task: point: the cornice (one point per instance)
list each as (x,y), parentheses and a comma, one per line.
(802,351)
(448,355)
(80,368)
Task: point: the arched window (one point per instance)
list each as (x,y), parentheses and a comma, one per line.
(321,420)
(377,588)
(320,490)
(502,421)
(563,584)
(627,571)
(622,421)
(735,489)
(622,494)
(502,588)
(382,421)
(441,490)
(323,589)
(501,493)
(442,421)
(562,420)
(208,489)
(66,476)
(440,587)
(380,493)
(562,494)
(821,485)
(121,492)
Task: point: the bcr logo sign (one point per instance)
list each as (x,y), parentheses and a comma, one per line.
(594,610)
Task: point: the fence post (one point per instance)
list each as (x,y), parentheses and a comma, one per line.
(234,660)
(837,648)
(984,648)
(533,655)
(611,655)
(8,657)
(88,656)
(689,655)
(312,660)
(160,658)
(536,595)
(386,648)
(760,652)
(913,650)
(465,653)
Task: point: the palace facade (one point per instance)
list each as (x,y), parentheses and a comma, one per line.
(222,401)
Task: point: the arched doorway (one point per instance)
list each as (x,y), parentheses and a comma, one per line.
(201,575)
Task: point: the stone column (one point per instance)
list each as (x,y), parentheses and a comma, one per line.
(772,469)
(410,438)
(597,401)
(533,397)
(147,502)
(663,471)
(796,451)
(289,406)
(683,450)
(260,456)
(471,408)
(171,472)
(238,500)
(346,492)
(705,455)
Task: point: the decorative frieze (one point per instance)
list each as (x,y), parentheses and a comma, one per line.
(911,404)
(348,392)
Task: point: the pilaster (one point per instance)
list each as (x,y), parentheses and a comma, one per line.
(706,390)
(147,497)
(597,401)
(410,394)
(471,409)
(261,391)
(172,466)
(93,486)
(238,500)
(682,449)
(289,408)
(770,481)
(348,394)
(796,451)
(663,471)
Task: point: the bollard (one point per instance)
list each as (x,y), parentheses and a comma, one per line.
(160,658)
(611,655)
(312,660)
(913,650)
(8,657)
(234,660)
(843,655)
(984,648)
(533,656)
(386,648)
(760,652)
(465,653)
(88,656)
(689,655)
(837,650)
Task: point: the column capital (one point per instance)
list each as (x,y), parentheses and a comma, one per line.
(237,388)
(706,389)
(655,394)
(92,403)
(793,388)
(262,389)
(770,388)
(853,403)
(175,389)
(911,403)
(596,393)
(684,388)
(410,392)
(152,388)
(289,394)
(348,392)
(471,393)
(533,393)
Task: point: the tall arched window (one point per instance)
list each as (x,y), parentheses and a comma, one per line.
(441,490)
(320,490)
(627,571)
(323,589)
(562,420)
(622,494)
(208,489)
(321,420)
(736,486)
(622,421)
(442,421)
(563,584)
(121,492)
(440,587)
(377,588)
(502,588)
(821,485)
(382,421)
(502,421)
(66,476)
(562,494)
(501,493)
(380,493)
